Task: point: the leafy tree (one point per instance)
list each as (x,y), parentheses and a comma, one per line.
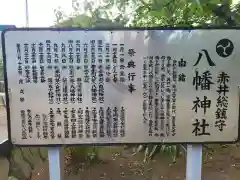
(158,12)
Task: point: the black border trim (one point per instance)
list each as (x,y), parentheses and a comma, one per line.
(106,29)
(6,85)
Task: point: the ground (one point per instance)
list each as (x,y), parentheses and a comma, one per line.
(118,163)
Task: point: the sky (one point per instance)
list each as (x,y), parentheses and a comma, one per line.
(41,12)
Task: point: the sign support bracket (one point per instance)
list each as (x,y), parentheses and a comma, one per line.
(194,162)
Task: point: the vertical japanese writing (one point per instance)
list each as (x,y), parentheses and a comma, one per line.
(132,73)
(162,98)
(20,70)
(22,98)
(100,72)
(201,82)
(93,72)
(65,90)
(115,121)
(86,63)
(122,75)
(63,53)
(41,61)
(33,53)
(100,51)
(182,63)
(24,126)
(181,76)
(52,123)
(87,123)
(59,123)
(56,53)
(204,104)
(19,59)
(78,52)
(77,72)
(150,91)
(73,125)
(109,121)
(145,90)
(48,50)
(66,123)
(27,73)
(26,53)
(222,100)
(157,94)
(94,122)
(72,84)
(34,73)
(40,53)
(34,67)
(204,81)
(38,125)
(168,95)
(45,126)
(79,90)
(42,74)
(122,122)
(107,62)
(50,91)
(174,90)
(80,123)
(101,122)
(70,51)
(200,127)
(26,61)
(30,125)
(57,84)
(114,62)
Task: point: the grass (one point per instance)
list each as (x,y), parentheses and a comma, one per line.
(171,151)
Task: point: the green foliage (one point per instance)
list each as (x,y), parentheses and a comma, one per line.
(81,21)
(152,13)
(150,151)
(177,13)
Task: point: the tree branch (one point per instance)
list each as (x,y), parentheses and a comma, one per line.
(143,2)
(223,11)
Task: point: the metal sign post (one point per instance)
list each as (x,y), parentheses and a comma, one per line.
(194,162)
(123,86)
(56,163)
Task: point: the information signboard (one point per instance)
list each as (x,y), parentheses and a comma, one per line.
(122,86)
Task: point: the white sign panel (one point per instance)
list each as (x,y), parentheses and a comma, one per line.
(122,86)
